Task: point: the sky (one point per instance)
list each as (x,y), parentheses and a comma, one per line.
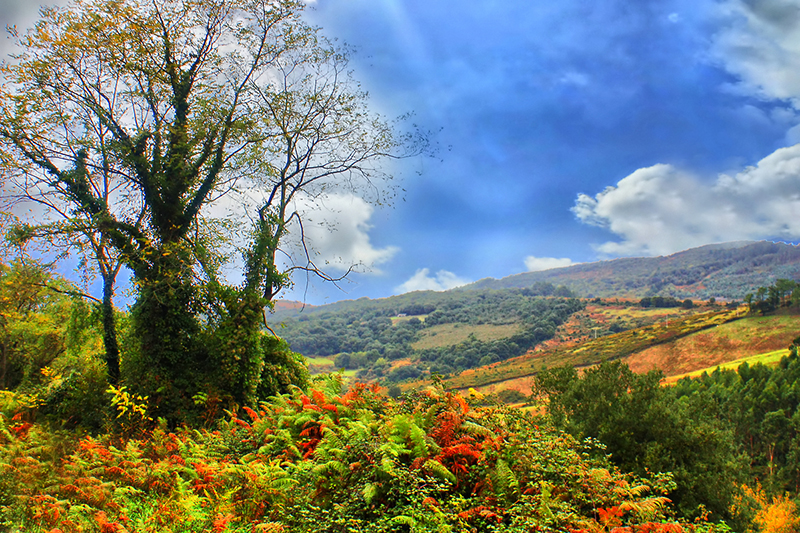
(566,132)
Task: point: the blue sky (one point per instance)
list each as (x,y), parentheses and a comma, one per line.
(568,131)
(575,131)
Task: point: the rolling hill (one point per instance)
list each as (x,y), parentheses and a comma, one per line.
(729,270)
(504,331)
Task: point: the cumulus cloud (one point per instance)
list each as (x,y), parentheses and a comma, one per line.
(336,228)
(423,281)
(535,264)
(760,44)
(661,209)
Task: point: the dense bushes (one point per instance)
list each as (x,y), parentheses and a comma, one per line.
(716,434)
(327,462)
(647,428)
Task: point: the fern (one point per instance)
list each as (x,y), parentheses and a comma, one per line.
(648,509)
(404,520)
(438,470)
(476,429)
(369,492)
(505,481)
(330,468)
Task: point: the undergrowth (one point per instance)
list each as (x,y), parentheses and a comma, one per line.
(328,462)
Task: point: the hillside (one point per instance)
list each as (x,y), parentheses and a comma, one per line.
(676,346)
(420,333)
(728,271)
(510,332)
(582,352)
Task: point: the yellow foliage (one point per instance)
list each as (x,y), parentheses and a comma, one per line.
(132,415)
(773,515)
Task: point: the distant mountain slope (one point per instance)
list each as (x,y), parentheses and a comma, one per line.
(728,270)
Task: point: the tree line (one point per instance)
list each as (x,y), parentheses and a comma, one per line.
(718,434)
(783,293)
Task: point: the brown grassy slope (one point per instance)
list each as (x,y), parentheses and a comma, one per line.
(445,335)
(593,351)
(726,342)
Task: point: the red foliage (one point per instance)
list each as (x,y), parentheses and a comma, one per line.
(207,480)
(610,516)
(21,429)
(481,511)
(221,523)
(252,414)
(658,527)
(242,423)
(358,394)
(105,526)
(446,428)
(312,433)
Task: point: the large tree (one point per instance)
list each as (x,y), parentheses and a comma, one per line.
(140,119)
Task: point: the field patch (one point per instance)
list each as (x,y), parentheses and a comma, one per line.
(452,334)
(727,342)
(397,319)
(769,359)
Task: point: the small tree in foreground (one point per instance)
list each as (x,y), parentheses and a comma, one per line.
(141,119)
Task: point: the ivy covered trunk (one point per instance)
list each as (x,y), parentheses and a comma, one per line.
(110,331)
(172,360)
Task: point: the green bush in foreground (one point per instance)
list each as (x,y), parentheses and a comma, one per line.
(328,462)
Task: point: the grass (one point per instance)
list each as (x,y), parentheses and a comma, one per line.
(396,319)
(593,351)
(760,326)
(325,365)
(452,334)
(768,358)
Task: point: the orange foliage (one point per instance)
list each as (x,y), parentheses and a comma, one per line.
(775,515)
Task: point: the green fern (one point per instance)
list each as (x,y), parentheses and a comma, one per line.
(505,482)
(369,492)
(438,470)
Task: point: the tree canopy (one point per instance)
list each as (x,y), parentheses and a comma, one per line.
(141,121)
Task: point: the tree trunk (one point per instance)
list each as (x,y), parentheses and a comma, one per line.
(110,331)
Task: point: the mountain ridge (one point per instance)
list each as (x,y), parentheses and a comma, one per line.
(724,270)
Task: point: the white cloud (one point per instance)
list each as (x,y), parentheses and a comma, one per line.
(572,77)
(336,229)
(761,45)
(423,281)
(535,264)
(662,210)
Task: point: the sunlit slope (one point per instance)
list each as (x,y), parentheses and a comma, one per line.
(694,344)
(740,339)
(578,354)
(768,359)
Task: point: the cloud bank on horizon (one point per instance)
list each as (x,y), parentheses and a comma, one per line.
(422,280)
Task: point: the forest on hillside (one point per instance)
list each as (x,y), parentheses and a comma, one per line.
(369,336)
